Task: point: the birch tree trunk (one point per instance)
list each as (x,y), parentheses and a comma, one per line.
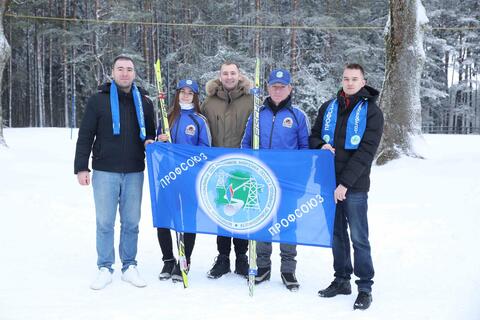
(40,82)
(293,39)
(10,82)
(4,55)
(65,67)
(50,69)
(400,97)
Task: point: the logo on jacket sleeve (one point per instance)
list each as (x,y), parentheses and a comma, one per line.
(190,130)
(238,192)
(287,122)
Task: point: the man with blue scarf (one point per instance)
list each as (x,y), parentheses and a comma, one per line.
(117,125)
(351,126)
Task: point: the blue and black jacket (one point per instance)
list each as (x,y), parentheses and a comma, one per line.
(123,153)
(190,128)
(352,167)
(281,127)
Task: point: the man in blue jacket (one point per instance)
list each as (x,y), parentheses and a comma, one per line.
(351,126)
(282,126)
(117,125)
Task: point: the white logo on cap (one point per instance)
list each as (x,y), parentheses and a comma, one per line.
(189,81)
(279,74)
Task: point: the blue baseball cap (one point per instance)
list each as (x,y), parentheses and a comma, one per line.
(279,76)
(192,84)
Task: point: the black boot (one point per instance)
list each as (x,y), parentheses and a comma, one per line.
(241,265)
(220,267)
(263,274)
(167,269)
(364,300)
(290,281)
(177,273)
(336,287)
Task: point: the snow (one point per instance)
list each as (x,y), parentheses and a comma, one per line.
(424,221)
(421,14)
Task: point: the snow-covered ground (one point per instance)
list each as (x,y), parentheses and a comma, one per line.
(424,224)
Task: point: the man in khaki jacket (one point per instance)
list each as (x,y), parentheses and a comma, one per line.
(227,108)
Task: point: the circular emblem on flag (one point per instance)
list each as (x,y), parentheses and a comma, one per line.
(189,82)
(355,139)
(279,74)
(326,138)
(238,192)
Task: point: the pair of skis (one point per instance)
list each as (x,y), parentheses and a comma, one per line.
(252,244)
(182,259)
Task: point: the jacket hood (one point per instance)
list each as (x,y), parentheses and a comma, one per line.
(105,88)
(366,92)
(214,86)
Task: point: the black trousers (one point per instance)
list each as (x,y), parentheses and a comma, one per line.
(165,240)
(224,245)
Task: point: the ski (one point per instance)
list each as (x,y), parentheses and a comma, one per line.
(252,244)
(166,130)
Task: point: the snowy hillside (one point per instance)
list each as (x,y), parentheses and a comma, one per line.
(424,223)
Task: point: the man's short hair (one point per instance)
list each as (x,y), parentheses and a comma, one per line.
(122,57)
(355,66)
(229,63)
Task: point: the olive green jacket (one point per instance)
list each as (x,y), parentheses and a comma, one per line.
(227,112)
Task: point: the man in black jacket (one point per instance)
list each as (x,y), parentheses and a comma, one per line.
(351,127)
(119,123)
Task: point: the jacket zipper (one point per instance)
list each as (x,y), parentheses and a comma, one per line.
(125,129)
(177,123)
(271,131)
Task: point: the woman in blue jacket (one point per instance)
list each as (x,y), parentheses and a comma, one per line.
(187,126)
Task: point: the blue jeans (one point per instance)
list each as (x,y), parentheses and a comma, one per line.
(112,190)
(352,213)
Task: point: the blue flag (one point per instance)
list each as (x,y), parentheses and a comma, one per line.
(265,195)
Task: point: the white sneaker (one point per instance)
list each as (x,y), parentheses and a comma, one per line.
(131,275)
(104,278)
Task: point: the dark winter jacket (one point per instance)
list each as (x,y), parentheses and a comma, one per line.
(285,127)
(227,111)
(123,153)
(190,128)
(352,167)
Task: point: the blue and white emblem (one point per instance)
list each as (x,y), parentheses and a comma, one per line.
(287,122)
(355,139)
(190,130)
(238,192)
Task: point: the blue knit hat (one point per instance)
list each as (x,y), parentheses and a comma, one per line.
(279,76)
(192,84)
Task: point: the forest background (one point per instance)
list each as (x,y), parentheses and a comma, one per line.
(57,63)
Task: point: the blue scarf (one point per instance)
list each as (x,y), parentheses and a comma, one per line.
(356,124)
(137,100)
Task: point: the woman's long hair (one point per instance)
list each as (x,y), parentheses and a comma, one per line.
(173,115)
